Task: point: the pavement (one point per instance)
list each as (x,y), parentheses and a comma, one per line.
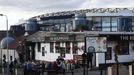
(75,72)
(89,72)
(122,71)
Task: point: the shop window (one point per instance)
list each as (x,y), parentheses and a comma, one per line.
(122,48)
(57,47)
(67,47)
(62,44)
(62,51)
(43,51)
(51,47)
(62,55)
(75,47)
(39,46)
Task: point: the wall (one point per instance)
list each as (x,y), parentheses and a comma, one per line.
(53,56)
(12,53)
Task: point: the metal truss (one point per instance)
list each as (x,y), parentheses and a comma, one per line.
(93,10)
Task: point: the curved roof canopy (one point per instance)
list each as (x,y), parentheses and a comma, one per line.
(6,41)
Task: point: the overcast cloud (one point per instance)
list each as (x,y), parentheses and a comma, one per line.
(17,9)
(41,5)
(46,5)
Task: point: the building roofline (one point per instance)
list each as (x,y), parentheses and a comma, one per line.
(92,10)
(43,36)
(91,32)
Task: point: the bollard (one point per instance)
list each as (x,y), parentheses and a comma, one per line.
(3,73)
(84,70)
(133,69)
(15,71)
(101,73)
(130,69)
(64,72)
(109,70)
(72,72)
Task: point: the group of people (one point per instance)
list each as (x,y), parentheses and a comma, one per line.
(35,68)
(12,66)
(32,67)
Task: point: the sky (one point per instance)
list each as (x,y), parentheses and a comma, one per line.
(17,10)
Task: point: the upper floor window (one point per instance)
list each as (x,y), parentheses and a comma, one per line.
(105,23)
(96,24)
(114,23)
(132,23)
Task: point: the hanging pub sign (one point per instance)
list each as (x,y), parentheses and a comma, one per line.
(95,44)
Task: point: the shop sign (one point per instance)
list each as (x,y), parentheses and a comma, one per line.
(127,37)
(121,37)
(57,38)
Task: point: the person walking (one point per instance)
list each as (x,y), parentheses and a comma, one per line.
(43,67)
(11,65)
(89,59)
(25,68)
(84,56)
(84,59)
(29,68)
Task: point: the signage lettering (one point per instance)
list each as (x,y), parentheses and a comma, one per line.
(58,38)
(124,37)
(127,37)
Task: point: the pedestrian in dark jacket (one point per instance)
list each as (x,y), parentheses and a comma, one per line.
(43,67)
(25,68)
(29,68)
(84,56)
(11,68)
(89,59)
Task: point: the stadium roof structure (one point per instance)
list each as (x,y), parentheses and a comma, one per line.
(92,10)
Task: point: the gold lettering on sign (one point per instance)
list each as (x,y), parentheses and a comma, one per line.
(124,37)
(58,38)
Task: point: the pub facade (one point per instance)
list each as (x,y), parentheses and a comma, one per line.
(47,46)
(121,43)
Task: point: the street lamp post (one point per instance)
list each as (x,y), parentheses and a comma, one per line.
(7,42)
(1,58)
(116,61)
(25,48)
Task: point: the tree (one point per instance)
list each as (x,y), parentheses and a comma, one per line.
(81,28)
